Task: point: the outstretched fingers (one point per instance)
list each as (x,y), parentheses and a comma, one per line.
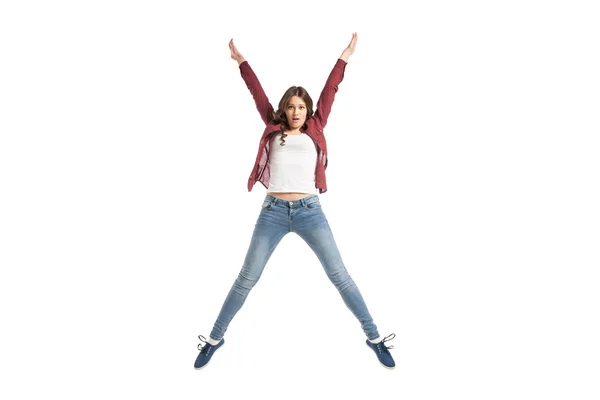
(232,49)
(353,41)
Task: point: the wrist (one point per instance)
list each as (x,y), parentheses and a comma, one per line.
(346,55)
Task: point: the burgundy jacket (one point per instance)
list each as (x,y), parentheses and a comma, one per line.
(314,125)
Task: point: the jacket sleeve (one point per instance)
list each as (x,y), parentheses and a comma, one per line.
(328,94)
(260,98)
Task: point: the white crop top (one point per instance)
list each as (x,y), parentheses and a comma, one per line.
(292,167)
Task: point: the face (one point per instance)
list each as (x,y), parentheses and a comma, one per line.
(295,111)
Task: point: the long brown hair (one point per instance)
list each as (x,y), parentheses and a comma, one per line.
(279,115)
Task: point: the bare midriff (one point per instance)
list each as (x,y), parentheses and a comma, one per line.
(289,196)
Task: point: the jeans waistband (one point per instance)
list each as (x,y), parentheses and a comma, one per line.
(291,204)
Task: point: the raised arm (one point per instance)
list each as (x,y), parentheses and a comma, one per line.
(331,86)
(263,106)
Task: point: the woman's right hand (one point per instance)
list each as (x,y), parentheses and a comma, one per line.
(235,54)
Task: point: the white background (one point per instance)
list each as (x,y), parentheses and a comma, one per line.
(463,195)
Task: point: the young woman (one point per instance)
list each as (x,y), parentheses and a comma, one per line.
(291,163)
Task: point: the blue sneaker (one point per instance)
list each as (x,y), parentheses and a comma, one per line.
(383,351)
(206,352)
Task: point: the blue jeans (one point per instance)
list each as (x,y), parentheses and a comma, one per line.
(305,218)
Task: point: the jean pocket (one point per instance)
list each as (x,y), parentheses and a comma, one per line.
(267,205)
(313,205)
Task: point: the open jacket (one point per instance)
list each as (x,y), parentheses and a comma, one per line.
(313,126)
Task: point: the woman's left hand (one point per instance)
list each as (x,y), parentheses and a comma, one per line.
(348,51)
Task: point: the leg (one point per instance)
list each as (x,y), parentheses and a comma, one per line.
(265,239)
(317,234)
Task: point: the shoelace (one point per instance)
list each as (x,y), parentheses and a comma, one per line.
(202,340)
(387,339)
